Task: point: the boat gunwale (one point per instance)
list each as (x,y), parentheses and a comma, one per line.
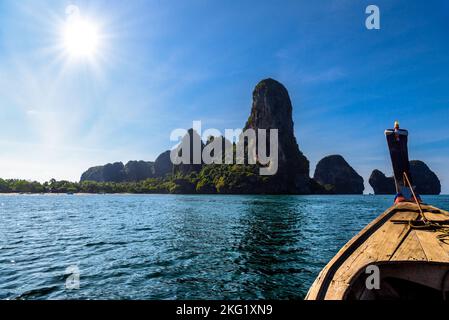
(334,265)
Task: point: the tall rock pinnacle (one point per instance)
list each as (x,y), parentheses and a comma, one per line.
(272,109)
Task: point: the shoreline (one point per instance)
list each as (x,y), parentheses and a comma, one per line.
(197,194)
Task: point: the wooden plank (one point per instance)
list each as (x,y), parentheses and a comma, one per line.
(435,250)
(410,250)
(436,216)
(379,247)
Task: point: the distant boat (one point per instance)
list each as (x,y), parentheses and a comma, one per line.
(401,255)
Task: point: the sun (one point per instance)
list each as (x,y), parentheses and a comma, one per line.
(81,38)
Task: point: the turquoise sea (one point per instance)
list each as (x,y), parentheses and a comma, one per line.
(175,247)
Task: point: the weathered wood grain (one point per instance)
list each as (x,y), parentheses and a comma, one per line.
(382,241)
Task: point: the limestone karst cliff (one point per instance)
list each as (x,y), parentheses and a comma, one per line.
(424,179)
(337,176)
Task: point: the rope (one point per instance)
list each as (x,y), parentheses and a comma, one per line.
(421,213)
(424,223)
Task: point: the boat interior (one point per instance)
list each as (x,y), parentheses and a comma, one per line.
(408,280)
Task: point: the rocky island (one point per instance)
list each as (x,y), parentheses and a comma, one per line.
(271,109)
(336,176)
(425,180)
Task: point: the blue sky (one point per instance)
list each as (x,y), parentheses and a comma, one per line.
(163,64)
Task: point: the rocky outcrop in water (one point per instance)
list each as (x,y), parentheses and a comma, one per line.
(424,179)
(382,184)
(272,109)
(336,176)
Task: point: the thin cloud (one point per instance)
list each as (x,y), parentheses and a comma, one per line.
(329,75)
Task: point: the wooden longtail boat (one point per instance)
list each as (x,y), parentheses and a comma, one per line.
(413,259)
(401,255)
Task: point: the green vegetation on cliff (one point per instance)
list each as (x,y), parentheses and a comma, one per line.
(211,179)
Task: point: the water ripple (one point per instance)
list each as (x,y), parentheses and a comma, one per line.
(175,247)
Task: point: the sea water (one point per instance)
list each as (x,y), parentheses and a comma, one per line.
(175,246)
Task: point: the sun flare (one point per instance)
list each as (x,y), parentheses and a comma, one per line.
(81,38)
